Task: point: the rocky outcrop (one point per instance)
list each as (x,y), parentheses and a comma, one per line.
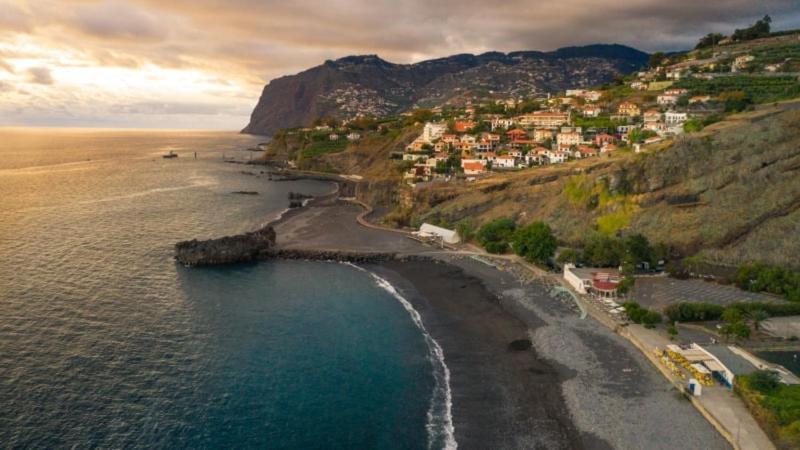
(226,250)
(374,87)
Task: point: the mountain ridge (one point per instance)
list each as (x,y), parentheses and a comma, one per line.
(370,85)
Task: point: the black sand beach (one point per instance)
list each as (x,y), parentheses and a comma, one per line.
(580,385)
(501,398)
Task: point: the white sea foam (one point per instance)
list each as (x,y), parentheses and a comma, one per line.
(440,412)
(197,182)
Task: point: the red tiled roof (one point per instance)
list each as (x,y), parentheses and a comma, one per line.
(473,166)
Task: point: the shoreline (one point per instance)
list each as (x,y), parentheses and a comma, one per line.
(579,385)
(493,403)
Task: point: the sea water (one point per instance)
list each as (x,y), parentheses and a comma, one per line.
(106,342)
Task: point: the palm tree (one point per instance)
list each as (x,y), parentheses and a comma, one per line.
(757,316)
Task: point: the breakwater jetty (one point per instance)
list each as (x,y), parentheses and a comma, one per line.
(226,250)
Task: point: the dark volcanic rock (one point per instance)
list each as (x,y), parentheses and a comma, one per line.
(369,85)
(226,250)
(520,345)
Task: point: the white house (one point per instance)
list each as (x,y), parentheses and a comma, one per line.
(432,131)
(503,162)
(353,136)
(439,233)
(557,157)
(667,99)
(502,122)
(674,118)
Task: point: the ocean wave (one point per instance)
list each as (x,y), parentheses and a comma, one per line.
(440,413)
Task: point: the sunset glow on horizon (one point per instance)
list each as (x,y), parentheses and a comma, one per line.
(202,64)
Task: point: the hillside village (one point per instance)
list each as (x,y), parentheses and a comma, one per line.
(646,109)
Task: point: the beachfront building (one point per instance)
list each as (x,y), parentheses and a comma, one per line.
(595,281)
(439,234)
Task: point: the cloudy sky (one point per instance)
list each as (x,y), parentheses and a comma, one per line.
(202,63)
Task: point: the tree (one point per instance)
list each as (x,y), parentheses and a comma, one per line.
(421,115)
(656,59)
(735,101)
(672,331)
(496,235)
(638,249)
(692,125)
(603,251)
(757,316)
(758,30)
(568,255)
(535,242)
(709,40)
(626,284)
(737,330)
(732,315)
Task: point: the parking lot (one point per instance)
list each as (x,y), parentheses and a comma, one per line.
(660,292)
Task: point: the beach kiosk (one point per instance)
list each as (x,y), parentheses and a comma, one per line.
(439,234)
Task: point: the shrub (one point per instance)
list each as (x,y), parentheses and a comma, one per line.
(626,284)
(465,229)
(672,331)
(772,309)
(699,312)
(692,125)
(641,315)
(760,277)
(775,405)
(535,242)
(737,330)
(693,312)
(651,319)
(496,235)
(764,381)
(732,314)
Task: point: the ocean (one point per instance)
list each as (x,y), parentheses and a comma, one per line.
(106,342)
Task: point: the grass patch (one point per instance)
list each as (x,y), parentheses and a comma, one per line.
(318,148)
(775,406)
(612,222)
(760,89)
